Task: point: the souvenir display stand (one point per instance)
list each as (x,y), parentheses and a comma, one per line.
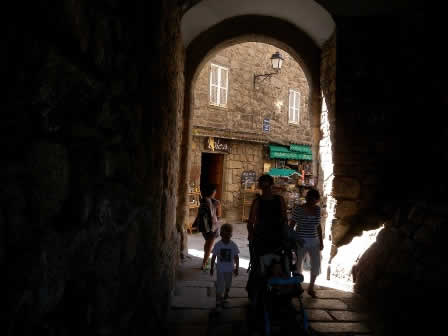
(193,205)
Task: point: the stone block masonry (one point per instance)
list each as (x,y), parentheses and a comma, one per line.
(248,105)
(243,156)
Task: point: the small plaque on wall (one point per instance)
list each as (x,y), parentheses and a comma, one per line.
(266,125)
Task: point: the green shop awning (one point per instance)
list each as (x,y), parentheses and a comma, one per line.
(281,152)
(282,172)
(300,148)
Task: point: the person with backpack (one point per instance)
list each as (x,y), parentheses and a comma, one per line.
(208,221)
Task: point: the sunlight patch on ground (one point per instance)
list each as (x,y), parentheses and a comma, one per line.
(321,281)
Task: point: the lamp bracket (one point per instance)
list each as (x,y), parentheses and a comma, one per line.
(265,76)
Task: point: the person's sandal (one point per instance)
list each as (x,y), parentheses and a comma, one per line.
(311,293)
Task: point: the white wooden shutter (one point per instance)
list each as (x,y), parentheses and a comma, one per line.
(214,84)
(223,86)
(291,105)
(294,106)
(219,83)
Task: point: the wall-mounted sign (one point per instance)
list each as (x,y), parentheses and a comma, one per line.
(266,125)
(248,177)
(217,145)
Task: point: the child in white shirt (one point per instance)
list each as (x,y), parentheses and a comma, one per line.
(226,253)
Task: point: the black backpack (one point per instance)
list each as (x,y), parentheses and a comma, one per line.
(203,219)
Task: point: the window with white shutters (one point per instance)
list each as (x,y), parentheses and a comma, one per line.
(219,83)
(294,106)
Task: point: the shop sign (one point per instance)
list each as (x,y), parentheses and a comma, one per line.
(217,145)
(266,125)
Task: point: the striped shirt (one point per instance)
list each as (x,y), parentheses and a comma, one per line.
(306,225)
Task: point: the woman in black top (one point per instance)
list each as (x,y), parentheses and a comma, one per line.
(267,228)
(267,225)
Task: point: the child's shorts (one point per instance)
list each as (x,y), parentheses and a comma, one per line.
(223,282)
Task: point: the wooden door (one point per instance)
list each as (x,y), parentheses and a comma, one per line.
(212,171)
(216,172)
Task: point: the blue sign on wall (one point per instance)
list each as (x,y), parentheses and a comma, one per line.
(266,125)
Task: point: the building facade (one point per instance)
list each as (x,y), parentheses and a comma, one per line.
(245,124)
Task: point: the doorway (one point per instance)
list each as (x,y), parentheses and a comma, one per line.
(212,170)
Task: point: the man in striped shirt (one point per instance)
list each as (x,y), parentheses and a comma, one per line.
(306,222)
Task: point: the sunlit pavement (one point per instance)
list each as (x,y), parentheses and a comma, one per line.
(196,247)
(335,311)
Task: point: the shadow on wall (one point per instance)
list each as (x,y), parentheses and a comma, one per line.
(92,278)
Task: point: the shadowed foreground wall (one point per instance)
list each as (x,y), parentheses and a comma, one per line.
(89,140)
(389,160)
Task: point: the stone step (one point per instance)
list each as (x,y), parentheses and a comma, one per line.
(190,291)
(188,316)
(331,304)
(348,316)
(318,315)
(239,282)
(237,302)
(237,292)
(339,327)
(334,294)
(193,301)
(232,315)
(195,283)
(234,329)
(187,330)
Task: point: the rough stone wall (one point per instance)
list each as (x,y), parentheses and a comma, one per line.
(328,86)
(90,150)
(405,263)
(248,106)
(243,156)
(376,153)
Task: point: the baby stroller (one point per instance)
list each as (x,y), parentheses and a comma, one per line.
(271,288)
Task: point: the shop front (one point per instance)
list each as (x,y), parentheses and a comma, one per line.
(225,163)
(291,168)
(235,165)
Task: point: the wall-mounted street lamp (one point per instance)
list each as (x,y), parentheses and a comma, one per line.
(277,61)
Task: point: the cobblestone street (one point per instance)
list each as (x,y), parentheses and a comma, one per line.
(334,311)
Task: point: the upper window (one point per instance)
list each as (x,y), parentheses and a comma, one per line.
(219,83)
(294,106)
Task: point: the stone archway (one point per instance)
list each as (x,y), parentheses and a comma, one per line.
(256,29)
